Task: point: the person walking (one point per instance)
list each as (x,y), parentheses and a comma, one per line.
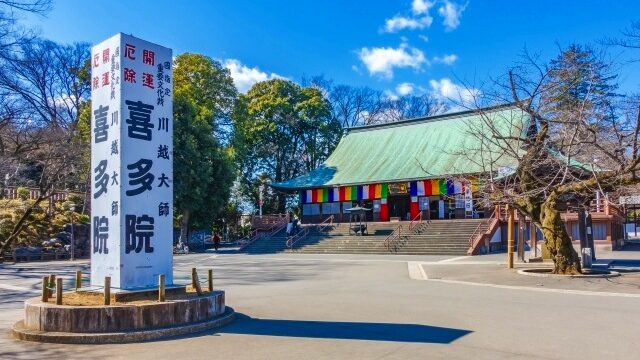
(216,241)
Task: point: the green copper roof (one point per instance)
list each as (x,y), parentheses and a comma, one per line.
(433,147)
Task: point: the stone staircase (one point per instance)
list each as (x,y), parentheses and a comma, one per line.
(268,245)
(439,237)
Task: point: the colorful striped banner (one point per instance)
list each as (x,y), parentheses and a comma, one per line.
(442,183)
(431,187)
(413,188)
(347,193)
(457,187)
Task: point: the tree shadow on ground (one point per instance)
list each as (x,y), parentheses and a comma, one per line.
(343,330)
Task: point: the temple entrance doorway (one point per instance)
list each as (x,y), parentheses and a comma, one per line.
(399,206)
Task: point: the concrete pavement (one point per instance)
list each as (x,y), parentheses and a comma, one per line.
(363,307)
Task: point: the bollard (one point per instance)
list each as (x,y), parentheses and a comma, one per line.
(52,283)
(59,291)
(45,291)
(107,290)
(210,279)
(161,288)
(195,282)
(78,280)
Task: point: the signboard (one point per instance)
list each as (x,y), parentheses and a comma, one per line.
(468,199)
(398,188)
(131,163)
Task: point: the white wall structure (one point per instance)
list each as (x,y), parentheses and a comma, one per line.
(131,163)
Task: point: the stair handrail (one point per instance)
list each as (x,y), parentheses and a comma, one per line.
(277,227)
(477,235)
(417,220)
(328,222)
(252,237)
(297,237)
(393,237)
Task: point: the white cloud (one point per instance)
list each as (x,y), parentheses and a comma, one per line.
(244,77)
(451,13)
(398,23)
(447,59)
(381,61)
(424,38)
(404,88)
(421,6)
(445,89)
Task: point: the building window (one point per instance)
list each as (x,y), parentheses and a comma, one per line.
(423,201)
(311,209)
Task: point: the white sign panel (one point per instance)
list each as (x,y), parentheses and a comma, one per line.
(131,162)
(468,199)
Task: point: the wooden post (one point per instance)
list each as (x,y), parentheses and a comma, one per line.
(510,242)
(107,290)
(195,282)
(45,291)
(210,279)
(533,236)
(521,242)
(161,288)
(78,280)
(52,283)
(59,291)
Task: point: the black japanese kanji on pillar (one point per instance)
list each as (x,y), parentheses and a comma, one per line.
(140,177)
(139,121)
(138,231)
(101,127)
(100,234)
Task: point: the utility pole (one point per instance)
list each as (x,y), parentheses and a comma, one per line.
(261,189)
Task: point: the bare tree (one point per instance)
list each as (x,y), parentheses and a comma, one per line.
(357,106)
(41,93)
(573,136)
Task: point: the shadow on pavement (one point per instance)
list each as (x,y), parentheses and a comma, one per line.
(410,333)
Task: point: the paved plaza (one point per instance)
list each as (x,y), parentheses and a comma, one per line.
(293,306)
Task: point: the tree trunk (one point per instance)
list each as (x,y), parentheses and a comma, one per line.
(558,242)
(184,226)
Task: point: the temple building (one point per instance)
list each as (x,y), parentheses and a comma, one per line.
(429,169)
(432,166)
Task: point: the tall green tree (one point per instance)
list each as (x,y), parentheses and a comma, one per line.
(281,131)
(203,96)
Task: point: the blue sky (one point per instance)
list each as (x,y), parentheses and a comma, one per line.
(404,46)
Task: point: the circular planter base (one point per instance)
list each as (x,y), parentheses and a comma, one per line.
(21,332)
(546,272)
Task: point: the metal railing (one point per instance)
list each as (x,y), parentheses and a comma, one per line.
(393,238)
(417,220)
(297,237)
(328,222)
(252,237)
(478,234)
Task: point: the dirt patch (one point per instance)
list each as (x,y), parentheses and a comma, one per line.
(92,298)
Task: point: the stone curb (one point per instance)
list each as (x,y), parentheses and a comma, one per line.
(603,275)
(20,332)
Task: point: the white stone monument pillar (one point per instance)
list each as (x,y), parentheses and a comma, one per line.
(131,163)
